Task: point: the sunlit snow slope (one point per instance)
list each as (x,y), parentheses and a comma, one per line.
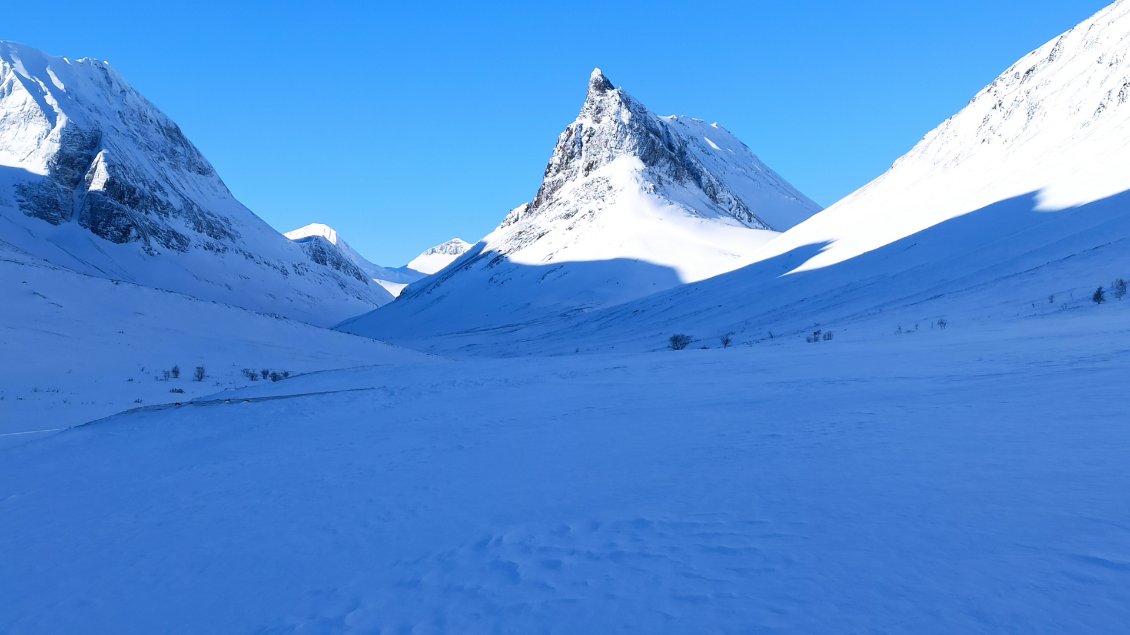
(1057,123)
(94,178)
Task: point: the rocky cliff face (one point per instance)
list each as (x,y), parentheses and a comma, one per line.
(612,124)
(94,177)
(113,163)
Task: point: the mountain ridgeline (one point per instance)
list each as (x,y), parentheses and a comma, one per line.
(94,178)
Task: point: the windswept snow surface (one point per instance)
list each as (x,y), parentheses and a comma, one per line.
(959,480)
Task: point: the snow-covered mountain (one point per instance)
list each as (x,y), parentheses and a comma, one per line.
(436,258)
(94,178)
(320,242)
(631,203)
(1056,123)
(1016,208)
(323,243)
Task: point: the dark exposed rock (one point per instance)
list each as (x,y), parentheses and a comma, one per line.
(613,124)
(324,253)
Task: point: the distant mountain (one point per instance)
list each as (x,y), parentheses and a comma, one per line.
(438,257)
(631,203)
(323,243)
(94,178)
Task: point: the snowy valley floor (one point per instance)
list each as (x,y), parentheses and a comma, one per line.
(941,481)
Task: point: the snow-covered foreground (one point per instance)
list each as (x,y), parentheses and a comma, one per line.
(77,347)
(957,480)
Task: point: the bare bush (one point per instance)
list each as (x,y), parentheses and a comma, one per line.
(679,341)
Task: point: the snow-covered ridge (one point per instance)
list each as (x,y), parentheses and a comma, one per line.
(95,178)
(1056,123)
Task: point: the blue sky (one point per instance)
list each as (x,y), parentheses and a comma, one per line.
(404,124)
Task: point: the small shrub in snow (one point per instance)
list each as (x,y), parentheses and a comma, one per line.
(198,374)
(175,372)
(828,336)
(815,337)
(266,372)
(1119,289)
(727,339)
(165,374)
(679,341)
(943,323)
(1100,296)
(177,390)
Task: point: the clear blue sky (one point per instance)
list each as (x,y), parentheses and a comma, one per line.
(404,124)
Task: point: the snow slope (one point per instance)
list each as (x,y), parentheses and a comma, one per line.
(94,178)
(956,481)
(78,347)
(1056,123)
(631,203)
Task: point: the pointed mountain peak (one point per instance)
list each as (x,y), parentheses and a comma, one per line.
(598,83)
